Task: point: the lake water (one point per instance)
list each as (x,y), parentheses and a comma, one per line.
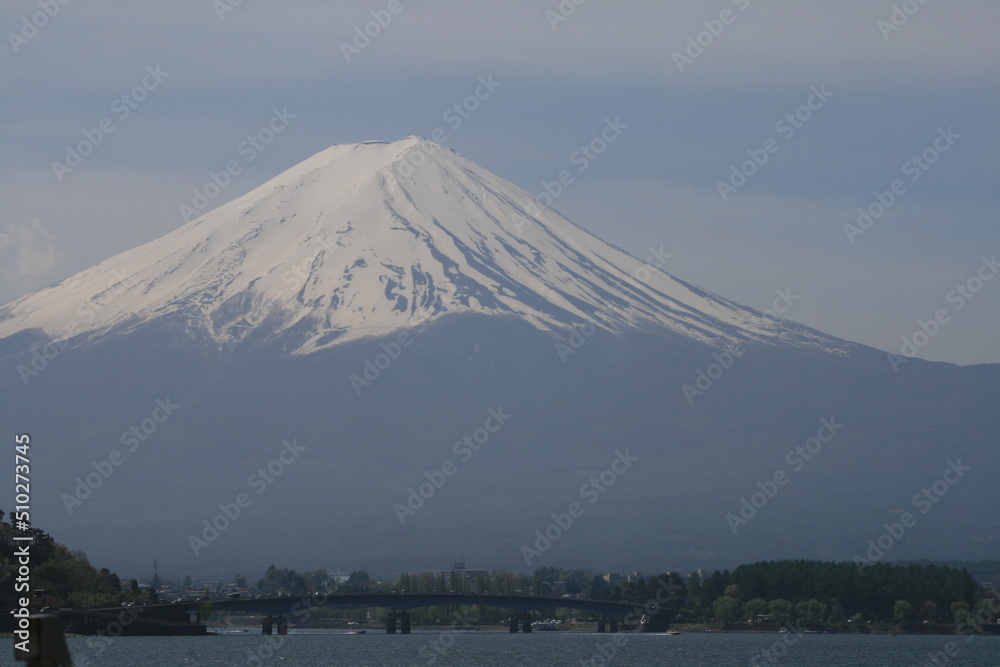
(545,649)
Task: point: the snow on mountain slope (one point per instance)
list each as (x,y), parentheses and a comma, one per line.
(362,239)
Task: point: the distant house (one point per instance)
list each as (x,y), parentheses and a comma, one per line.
(616,578)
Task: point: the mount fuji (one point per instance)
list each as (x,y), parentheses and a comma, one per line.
(370,238)
(387,355)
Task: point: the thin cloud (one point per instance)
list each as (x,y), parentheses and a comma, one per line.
(30,256)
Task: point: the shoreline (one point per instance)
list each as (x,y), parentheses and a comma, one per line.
(374,627)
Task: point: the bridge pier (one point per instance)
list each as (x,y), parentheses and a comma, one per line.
(404,622)
(269,622)
(174,619)
(520,621)
(607,624)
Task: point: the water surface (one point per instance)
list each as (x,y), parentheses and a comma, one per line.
(544,649)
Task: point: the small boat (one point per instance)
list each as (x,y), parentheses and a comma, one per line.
(673,632)
(544,626)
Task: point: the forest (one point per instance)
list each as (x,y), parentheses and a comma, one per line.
(809,594)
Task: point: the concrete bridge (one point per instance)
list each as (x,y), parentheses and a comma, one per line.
(399,604)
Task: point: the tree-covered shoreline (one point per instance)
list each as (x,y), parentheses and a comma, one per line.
(800,594)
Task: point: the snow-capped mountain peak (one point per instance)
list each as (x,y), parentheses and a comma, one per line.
(363,239)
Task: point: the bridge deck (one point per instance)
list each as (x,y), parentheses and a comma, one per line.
(397,601)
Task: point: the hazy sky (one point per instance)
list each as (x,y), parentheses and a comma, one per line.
(159,94)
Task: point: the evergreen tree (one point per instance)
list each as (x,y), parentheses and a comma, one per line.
(902,612)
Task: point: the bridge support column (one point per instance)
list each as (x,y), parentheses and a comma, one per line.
(600,624)
(390,624)
(404,617)
(614,624)
(526,621)
(655,622)
(282,623)
(267,625)
(513,622)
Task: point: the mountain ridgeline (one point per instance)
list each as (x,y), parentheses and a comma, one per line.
(346,335)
